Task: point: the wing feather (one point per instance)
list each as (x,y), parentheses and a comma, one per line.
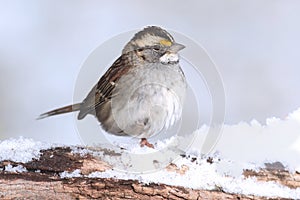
(103,90)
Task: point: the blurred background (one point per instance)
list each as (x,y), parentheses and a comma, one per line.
(43,44)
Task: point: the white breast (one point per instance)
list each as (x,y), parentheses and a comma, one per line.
(149,99)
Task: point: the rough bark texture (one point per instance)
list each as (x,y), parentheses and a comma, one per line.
(282,177)
(42,180)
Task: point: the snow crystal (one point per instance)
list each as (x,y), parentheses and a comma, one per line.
(277,140)
(75,173)
(18,168)
(81,151)
(21,149)
(294,115)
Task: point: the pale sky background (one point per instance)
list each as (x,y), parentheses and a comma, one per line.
(43,44)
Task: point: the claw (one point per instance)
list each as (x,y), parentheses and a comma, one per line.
(144,142)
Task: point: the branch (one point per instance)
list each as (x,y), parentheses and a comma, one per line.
(43,179)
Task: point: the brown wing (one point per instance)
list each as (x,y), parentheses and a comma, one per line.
(102,91)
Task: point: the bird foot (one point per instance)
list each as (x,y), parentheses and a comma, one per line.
(144,142)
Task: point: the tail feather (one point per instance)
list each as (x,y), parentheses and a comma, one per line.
(58,111)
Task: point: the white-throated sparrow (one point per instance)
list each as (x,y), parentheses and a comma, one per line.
(143,91)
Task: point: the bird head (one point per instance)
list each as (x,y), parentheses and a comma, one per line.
(154,44)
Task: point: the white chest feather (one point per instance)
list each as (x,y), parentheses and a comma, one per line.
(149,100)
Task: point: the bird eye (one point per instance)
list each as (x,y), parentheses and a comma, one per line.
(156,48)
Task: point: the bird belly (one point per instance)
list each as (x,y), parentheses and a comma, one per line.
(144,107)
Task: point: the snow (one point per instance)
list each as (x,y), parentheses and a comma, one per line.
(277,140)
(18,168)
(242,146)
(75,173)
(206,177)
(21,149)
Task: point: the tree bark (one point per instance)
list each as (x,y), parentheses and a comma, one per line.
(42,180)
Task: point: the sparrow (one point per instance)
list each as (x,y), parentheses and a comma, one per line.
(143,91)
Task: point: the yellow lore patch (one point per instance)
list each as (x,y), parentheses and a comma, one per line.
(165,43)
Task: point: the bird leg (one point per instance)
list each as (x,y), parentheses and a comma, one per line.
(144,142)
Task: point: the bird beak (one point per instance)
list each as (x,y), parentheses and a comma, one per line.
(176,47)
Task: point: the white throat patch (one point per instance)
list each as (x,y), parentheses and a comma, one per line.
(169,58)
